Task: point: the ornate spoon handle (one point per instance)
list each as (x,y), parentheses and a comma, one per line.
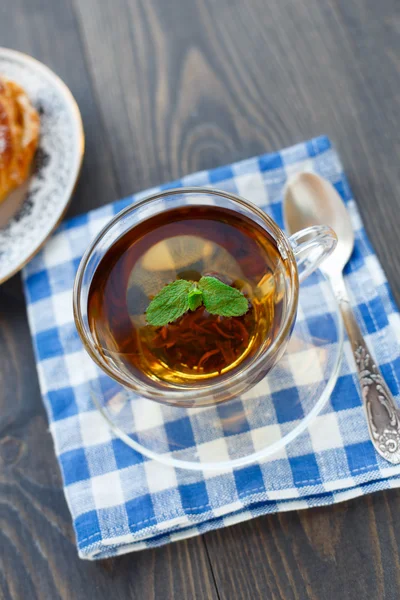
(381,411)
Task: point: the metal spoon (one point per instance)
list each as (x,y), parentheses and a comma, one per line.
(311,200)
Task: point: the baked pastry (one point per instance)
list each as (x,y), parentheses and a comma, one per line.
(19,136)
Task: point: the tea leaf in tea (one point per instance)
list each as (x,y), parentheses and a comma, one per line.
(169,304)
(221,299)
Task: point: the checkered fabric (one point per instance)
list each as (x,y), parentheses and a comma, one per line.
(121,501)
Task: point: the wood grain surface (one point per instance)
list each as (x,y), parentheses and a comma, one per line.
(167,87)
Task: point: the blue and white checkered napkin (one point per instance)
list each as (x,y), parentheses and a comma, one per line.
(121,501)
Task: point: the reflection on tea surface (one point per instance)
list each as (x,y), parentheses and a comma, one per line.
(186,243)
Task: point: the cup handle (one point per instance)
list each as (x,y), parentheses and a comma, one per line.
(311,246)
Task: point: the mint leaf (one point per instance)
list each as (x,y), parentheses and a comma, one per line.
(221,299)
(178,297)
(195,298)
(169,304)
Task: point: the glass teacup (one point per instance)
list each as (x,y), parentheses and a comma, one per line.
(299,255)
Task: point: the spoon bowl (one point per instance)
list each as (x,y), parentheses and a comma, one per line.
(311,200)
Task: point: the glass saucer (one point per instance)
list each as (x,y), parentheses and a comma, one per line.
(246,429)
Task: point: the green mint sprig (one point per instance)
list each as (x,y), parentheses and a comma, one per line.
(178,297)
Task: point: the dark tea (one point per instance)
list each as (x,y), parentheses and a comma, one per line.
(186,243)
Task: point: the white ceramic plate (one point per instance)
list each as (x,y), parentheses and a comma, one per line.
(29,215)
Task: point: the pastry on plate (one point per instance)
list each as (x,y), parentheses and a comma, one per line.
(19,136)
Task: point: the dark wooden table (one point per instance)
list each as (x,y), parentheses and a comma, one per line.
(167,87)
